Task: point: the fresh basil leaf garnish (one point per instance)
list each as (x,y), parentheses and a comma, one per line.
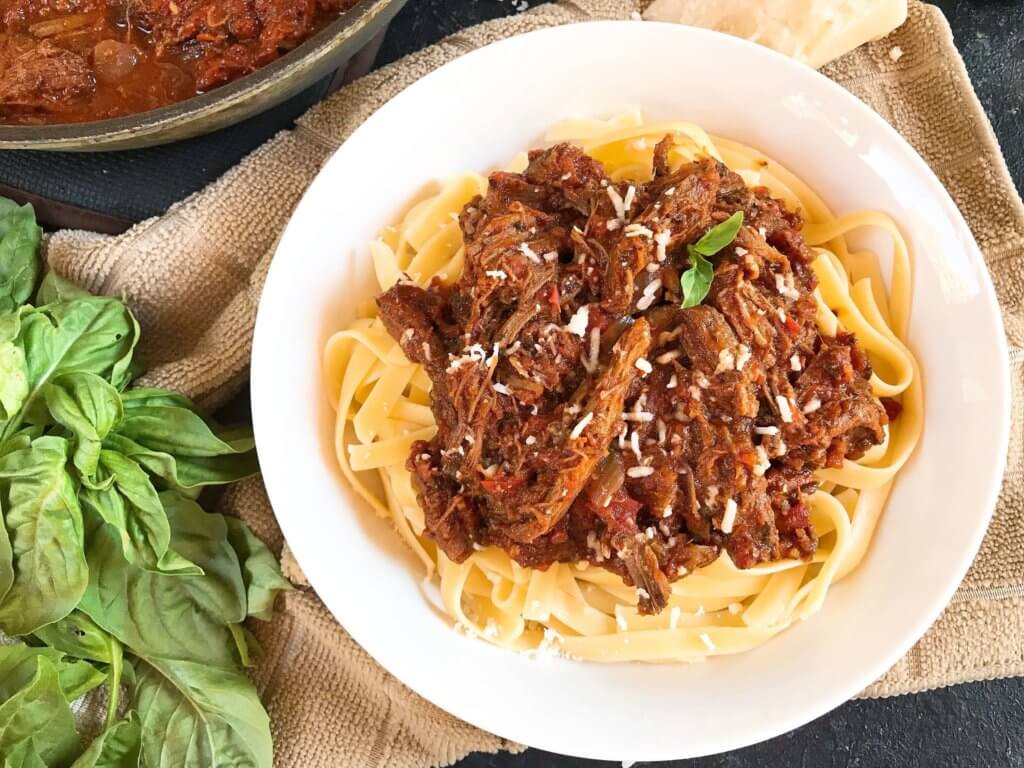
(696,281)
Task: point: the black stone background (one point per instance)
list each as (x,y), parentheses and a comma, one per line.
(976,724)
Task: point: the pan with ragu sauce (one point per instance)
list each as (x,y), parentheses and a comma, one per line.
(67,61)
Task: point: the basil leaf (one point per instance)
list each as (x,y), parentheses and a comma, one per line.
(187,474)
(696,281)
(13,368)
(194,716)
(145,396)
(241,639)
(44,520)
(19,254)
(93,335)
(55,288)
(260,570)
(165,433)
(178,431)
(719,236)
(18,665)
(89,408)
(38,711)
(78,635)
(168,616)
(24,756)
(117,747)
(6,558)
(130,504)
(21,439)
(13,379)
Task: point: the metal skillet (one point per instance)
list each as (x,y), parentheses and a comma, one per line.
(235,101)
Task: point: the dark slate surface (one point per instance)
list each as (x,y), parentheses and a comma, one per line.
(978,724)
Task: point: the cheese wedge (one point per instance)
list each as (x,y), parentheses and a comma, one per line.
(812,31)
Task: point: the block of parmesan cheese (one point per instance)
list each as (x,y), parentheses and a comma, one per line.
(812,31)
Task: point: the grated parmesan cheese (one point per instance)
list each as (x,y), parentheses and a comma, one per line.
(613,224)
(729,518)
(649,294)
(579,321)
(763,464)
(627,202)
(668,357)
(634,443)
(498,274)
(661,240)
(641,416)
(617,203)
(581,425)
(794,363)
(673,382)
(638,230)
(644,366)
(530,440)
(528,252)
(743,357)
(770,431)
(640,472)
(726,361)
(812,405)
(895,53)
(501,389)
(785,410)
(784,285)
(473,354)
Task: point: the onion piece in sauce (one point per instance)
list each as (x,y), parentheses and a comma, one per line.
(51,27)
(114,61)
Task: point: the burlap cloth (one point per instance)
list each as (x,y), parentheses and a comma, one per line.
(194,277)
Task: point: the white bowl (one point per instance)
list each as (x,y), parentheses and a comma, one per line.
(474,114)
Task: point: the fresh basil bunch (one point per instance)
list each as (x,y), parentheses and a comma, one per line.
(110,572)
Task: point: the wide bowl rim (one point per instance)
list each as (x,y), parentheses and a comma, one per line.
(342,34)
(276,475)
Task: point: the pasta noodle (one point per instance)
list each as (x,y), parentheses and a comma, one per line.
(382,405)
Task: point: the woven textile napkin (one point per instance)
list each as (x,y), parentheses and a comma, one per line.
(194,276)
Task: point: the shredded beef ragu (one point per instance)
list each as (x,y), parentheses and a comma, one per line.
(686,421)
